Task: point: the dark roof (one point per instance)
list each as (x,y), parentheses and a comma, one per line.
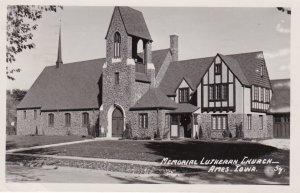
(71,86)
(154,98)
(250,64)
(134,22)
(185,108)
(280,102)
(192,70)
(158,58)
(244,66)
(234,66)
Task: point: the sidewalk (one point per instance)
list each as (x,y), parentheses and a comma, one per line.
(58,144)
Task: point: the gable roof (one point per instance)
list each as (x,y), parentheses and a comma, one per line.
(154,98)
(134,22)
(280,102)
(71,86)
(235,68)
(250,64)
(185,108)
(192,70)
(244,66)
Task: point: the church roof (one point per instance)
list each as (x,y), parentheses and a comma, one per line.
(71,86)
(134,22)
(280,102)
(154,98)
(244,66)
(74,85)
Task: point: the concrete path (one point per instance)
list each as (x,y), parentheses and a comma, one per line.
(58,144)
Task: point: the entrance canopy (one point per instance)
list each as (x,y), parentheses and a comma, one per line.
(183,108)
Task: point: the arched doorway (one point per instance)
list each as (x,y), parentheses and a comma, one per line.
(117,122)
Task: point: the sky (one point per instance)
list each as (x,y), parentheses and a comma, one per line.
(203,32)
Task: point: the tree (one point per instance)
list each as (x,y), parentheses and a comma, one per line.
(18,94)
(283,9)
(21,22)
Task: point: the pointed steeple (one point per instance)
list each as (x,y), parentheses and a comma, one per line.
(59,59)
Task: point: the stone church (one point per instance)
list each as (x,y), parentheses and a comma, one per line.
(151,94)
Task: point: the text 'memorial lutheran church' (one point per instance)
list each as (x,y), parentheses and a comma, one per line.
(153,94)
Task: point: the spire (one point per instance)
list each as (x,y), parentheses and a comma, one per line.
(59,59)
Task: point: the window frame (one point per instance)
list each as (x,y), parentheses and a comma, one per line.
(216,92)
(67,119)
(143,120)
(215,123)
(50,120)
(117,45)
(167,121)
(117,78)
(249,123)
(183,97)
(85,119)
(34,114)
(261,119)
(24,114)
(218,68)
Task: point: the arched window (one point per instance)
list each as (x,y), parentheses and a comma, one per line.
(85,119)
(67,119)
(51,120)
(117,43)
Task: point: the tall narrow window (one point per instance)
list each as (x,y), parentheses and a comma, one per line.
(167,121)
(85,119)
(24,114)
(67,119)
(217,91)
(224,91)
(256,93)
(34,114)
(261,119)
(211,92)
(117,78)
(261,70)
(143,121)
(51,120)
(117,43)
(183,95)
(262,94)
(267,95)
(249,120)
(218,69)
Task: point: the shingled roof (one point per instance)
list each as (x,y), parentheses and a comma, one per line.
(193,71)
(280,102)
(244,66)
(154,98)
(71,86)
(134,22)
(158,58)
(250,64)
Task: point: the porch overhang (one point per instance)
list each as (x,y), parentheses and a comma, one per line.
(185,108)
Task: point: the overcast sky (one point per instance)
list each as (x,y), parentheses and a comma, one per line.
(202,32)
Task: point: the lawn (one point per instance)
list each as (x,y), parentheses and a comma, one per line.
(157,150)
(14,141)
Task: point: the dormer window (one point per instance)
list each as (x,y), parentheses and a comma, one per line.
(117,43)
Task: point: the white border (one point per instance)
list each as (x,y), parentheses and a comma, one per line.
(295,49)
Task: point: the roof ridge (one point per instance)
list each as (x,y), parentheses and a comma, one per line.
(242,53)
(191,59)
(78,62)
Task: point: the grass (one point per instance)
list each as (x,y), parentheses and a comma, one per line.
(14,141)
(157,150)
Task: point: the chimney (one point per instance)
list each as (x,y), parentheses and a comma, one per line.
(59,59)
(174,47)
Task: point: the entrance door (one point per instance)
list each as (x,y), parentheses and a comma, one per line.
(186,124)
(117,123)
(281,126)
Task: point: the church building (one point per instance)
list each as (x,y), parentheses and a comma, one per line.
(149,94)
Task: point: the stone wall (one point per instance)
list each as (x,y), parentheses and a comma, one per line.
(206,132)
(28,125)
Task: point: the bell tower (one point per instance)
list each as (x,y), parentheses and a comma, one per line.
(124,65)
